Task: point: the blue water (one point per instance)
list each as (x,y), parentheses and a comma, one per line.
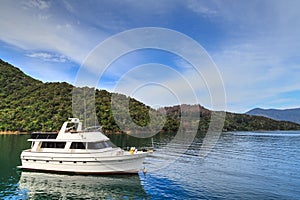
(242,165)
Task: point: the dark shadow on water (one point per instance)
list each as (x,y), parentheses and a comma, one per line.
(11,147)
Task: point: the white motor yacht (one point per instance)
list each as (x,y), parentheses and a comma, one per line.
(78,151)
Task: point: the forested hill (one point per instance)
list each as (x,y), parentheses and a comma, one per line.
(232,122)
(27,104)
(31,105)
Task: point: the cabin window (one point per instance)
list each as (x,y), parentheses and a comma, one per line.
(98,145)
(58,145)
(77,145)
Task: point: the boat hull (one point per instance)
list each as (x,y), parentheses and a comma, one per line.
(82,163)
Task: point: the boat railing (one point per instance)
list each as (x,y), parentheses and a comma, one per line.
(44,135)
(92,129)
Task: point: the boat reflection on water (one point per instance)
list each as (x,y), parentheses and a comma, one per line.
(36,185)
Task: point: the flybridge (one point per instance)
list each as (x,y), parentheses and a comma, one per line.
(73,125)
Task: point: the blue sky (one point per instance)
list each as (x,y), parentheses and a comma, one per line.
(255,46)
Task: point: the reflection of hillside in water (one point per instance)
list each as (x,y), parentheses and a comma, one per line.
(55,186)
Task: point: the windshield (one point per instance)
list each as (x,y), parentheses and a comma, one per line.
(99,145)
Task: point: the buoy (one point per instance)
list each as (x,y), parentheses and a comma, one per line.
(144,170)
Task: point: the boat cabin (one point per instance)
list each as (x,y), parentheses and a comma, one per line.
(70,137)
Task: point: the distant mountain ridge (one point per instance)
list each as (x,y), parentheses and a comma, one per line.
(291,115)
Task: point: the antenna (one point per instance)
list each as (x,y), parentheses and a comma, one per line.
(84,102)
(152,142)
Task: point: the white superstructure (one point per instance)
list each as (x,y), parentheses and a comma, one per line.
(74,150)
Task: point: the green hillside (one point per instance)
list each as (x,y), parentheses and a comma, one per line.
(232,122)
(30,105)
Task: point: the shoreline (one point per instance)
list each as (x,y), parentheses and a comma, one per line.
(108,133)
(13,133)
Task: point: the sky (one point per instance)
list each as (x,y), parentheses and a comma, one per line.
(250,50)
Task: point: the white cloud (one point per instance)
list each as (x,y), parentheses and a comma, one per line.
(255,43)
(48,57)
(255,74)
(40,4)
(188,85)
(259,56)
(27,30)
(204,8)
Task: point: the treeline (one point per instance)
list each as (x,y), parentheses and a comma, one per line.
(30,105)
(232,121)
